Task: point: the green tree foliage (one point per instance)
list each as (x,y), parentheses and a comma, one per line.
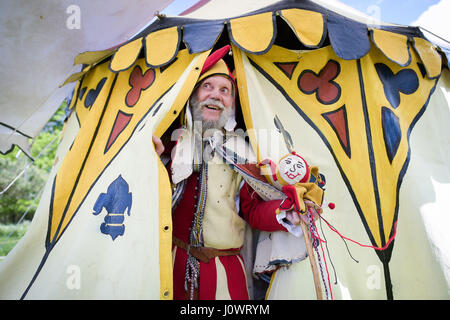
(10,234)
(24,194)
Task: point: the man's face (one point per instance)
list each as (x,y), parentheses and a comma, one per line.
(212,102)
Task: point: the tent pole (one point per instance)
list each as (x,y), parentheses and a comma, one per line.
(312,260)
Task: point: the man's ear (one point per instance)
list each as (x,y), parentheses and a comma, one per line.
(193,96)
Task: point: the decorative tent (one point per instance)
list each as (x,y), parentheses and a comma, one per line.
(366,102)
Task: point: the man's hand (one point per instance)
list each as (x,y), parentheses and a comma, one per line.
(159,147)
(294,218)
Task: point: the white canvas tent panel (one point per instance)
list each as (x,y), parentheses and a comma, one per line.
(39,42)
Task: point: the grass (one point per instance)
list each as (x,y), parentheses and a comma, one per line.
(10,234)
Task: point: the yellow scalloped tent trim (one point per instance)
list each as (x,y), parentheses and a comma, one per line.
(162,46)
(308,26)
(393,45)
(429,56)
(256,34)
(253,34)
(126,55)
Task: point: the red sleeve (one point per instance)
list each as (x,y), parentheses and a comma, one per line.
(258,213)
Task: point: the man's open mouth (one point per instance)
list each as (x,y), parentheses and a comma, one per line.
(213,107)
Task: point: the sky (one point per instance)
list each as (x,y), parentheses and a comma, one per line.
(433,14)
(429,14)
(393,11)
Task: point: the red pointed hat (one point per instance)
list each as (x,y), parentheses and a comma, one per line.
(215,65)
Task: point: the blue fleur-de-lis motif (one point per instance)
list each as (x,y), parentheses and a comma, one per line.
(116,200)
(93,94)
(405,81)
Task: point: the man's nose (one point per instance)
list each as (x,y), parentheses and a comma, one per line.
(215,94)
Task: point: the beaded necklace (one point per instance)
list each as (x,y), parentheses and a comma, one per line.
(196,236)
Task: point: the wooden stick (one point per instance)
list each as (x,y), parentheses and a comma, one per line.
(312,260)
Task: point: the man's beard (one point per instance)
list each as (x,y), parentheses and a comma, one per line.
(196,108)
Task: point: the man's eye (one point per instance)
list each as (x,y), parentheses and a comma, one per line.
(288,162)
(206,85)
(225,90)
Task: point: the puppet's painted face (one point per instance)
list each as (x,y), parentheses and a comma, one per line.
(292,169)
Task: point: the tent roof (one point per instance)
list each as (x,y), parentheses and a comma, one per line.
(207,24)
(280,23)
(216,9)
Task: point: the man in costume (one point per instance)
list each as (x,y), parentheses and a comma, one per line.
(211,202)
